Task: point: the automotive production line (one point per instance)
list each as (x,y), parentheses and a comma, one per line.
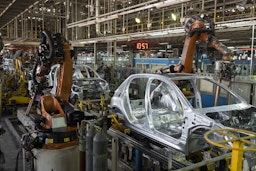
(160,125)
(69,102)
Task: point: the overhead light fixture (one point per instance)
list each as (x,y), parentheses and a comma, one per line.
(88,42)
(174,17)
(137,20)
(224,40)
(169,3)
(240,8)
(162,33)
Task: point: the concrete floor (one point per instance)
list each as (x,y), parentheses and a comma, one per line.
(10,147)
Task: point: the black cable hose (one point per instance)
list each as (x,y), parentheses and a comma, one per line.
(47,36)
(17,159)
(27,148)
(34,73)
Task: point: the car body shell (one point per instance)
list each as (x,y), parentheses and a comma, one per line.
(90,85)
(182,128)
(87,84)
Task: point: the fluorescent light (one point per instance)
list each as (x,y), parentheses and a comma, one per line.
(231,47)
(158,33)
(224,40)
(88,42)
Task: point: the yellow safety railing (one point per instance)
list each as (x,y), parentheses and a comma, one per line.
(238,144)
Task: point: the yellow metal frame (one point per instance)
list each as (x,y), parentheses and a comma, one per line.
(88,102)
(238,144)
(117,125)
(102,101)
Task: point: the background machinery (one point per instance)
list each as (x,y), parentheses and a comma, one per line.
(15,86)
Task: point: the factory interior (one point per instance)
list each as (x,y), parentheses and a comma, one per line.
(127,85)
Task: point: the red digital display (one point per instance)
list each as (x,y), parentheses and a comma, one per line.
(142,45)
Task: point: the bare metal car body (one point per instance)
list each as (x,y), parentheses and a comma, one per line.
(176,110)
(87,84)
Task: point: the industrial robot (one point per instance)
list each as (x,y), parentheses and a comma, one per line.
(196,30)
(54,121)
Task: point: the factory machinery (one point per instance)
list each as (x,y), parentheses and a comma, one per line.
(59,136)
(14,86)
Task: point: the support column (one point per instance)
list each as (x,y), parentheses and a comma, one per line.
(95,55)
(169,160)
(114,166)
(115,47)
(252,51)
(237,156)
(138,160)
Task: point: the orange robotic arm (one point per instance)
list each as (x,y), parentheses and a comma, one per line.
(64,85)
(196,30)
(54,50)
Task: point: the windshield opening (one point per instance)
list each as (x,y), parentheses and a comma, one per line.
(204,93)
